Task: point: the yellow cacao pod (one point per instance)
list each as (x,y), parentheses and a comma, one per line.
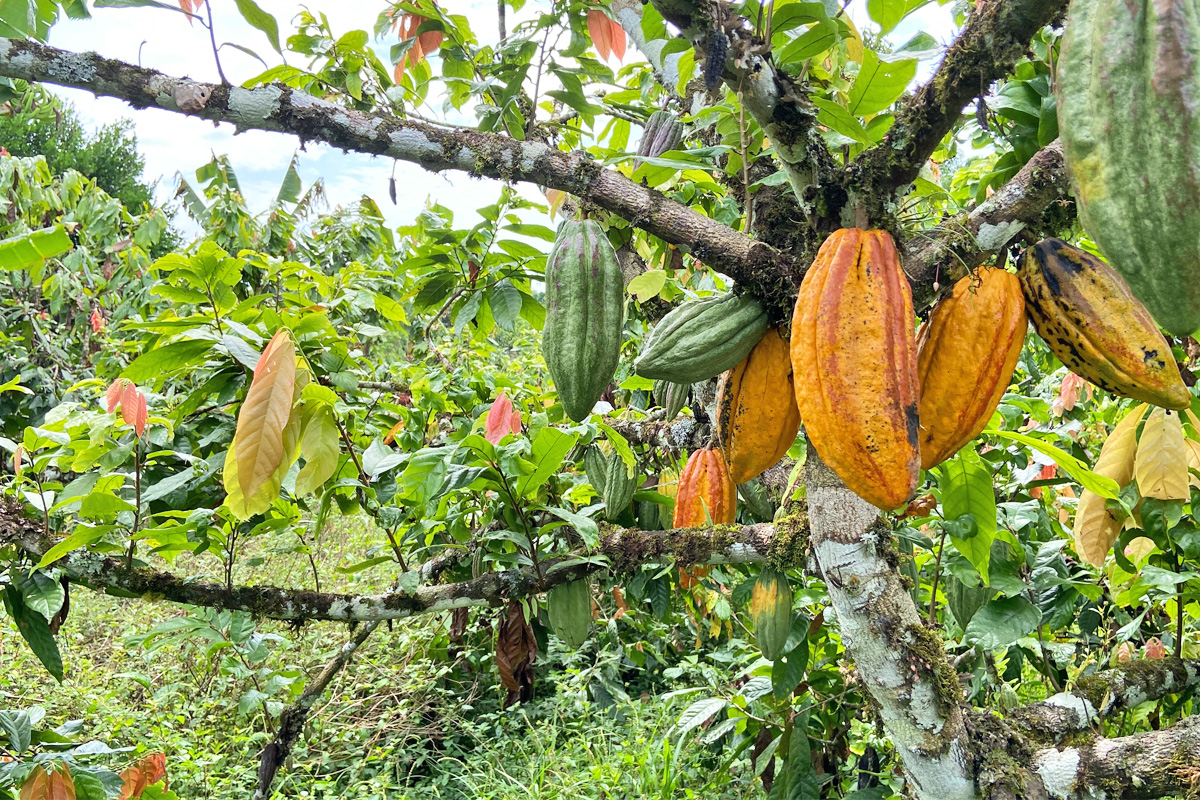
(705,492)
(757,418)
(854,358)
(966,353)
(1097,328)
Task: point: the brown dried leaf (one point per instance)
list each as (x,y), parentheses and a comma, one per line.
(516,649)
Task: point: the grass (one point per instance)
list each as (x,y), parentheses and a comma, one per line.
(403,721)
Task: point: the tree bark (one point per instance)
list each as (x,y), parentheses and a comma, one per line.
(899,660)
(620,550)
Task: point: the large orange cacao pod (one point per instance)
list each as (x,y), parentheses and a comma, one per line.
(966,353)
(705,492)
(854,358)
(757,418)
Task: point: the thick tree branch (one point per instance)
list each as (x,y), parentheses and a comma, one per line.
(281,109)
(899,660)
(622,549)
(995,38)
(776,101)
(945,253)
(1163,763)
(1111,691)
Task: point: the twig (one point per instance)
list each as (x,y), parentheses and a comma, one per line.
(212,36)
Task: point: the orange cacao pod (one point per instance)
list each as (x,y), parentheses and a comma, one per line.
(757,418)
(705,492)
(854,355)
(966,353)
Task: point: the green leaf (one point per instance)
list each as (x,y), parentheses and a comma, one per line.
(699,713)
(622,448)
(82,536)
(835,117)
(35,630)
(505,300)
(262,20)
(102,505)
(788,670)
(888,13)
(966,486)
(168,358)
(321,450)
(1105,487)
(32,249)
(648,284)
(879,83)
(797,780)
(813,42)
(422,479)
(586,527)
(549,449)
(1002,622)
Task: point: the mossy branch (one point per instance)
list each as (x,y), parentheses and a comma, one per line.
(621,549)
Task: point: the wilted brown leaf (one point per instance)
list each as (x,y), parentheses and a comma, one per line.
(516,649)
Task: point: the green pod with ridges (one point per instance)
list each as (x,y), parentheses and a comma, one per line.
(702,338)
(569,608)
(585,315)
(1126,84)
(663,132)
(771,611)
(672,397)
(611,480)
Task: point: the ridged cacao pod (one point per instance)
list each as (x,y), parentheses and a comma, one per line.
(608,475)
(1097,328)
(672,397)
(966,353)
(569,607)
(757,418)
(663,132)
(585,315)
(705,492)
(1126,83)
(771,612)
(854,355)
(702,338)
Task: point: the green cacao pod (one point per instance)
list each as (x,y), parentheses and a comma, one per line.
(771,611)
(663,132)
(1088,317)
(1126,83)
(608,474)
(585,315)
(569,607)
(672,397)
(702,338)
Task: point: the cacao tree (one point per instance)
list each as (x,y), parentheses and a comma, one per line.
(781,260)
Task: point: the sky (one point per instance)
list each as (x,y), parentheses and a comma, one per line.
(173,143)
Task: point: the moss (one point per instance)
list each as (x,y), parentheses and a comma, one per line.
(627,550)
(1001,756)
(790,543)
(925,645)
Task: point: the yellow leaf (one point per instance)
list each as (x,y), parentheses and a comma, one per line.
(1193,454)
(1162,457)
(1095,527)
(854,45)
(264,415)
(245,506)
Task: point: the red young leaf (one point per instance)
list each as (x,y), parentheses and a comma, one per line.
(133,407)
(514,423)
(600,29)
(1155,648)
(147,772)
(618,39)
(97,320)
(112,397)
(499,419)
(18,455)
(1048,472)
